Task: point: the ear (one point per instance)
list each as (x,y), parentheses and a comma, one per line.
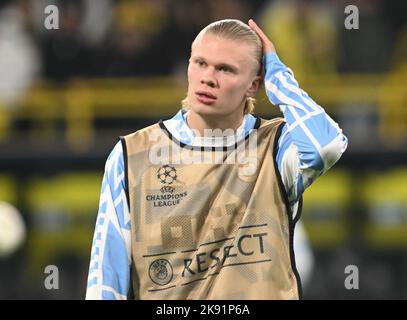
(254,86)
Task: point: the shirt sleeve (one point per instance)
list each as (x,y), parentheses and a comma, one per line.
(109,270)
(311,142)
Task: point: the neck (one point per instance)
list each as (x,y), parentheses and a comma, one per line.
(199,122)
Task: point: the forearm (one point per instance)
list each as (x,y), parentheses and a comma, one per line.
(109,270)
(311,142)
(318,139)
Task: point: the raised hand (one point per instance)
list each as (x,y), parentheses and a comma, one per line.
(267,44)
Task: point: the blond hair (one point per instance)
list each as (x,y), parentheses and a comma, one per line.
(239,31)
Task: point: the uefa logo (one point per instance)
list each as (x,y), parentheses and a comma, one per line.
(160,272)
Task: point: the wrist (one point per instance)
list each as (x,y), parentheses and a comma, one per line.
(270,58)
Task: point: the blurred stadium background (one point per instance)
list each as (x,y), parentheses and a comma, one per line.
(115,66)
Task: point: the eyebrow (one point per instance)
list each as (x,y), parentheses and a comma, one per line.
(222,64)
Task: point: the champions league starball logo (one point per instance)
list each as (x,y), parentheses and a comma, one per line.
(168,196)
(160,272)
(167,174)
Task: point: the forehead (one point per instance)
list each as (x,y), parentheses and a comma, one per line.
(218,49)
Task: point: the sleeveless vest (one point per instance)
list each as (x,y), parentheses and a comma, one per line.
(209,223)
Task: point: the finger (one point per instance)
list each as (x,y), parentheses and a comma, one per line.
(256,28)
(252,24)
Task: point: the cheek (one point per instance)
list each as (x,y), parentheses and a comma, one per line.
(193,78)
(235,90)
(189,73)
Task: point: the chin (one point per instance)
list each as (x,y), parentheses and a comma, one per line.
(206,110)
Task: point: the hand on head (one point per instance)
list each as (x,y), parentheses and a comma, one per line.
(267,44)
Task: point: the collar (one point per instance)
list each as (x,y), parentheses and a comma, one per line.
(179,129)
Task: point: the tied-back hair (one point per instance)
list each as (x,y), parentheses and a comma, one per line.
(237,30)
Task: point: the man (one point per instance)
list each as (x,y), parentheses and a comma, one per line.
(173,225)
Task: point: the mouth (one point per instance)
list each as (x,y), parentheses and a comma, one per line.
(205,97)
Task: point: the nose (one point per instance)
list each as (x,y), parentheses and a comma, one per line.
(208,78)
